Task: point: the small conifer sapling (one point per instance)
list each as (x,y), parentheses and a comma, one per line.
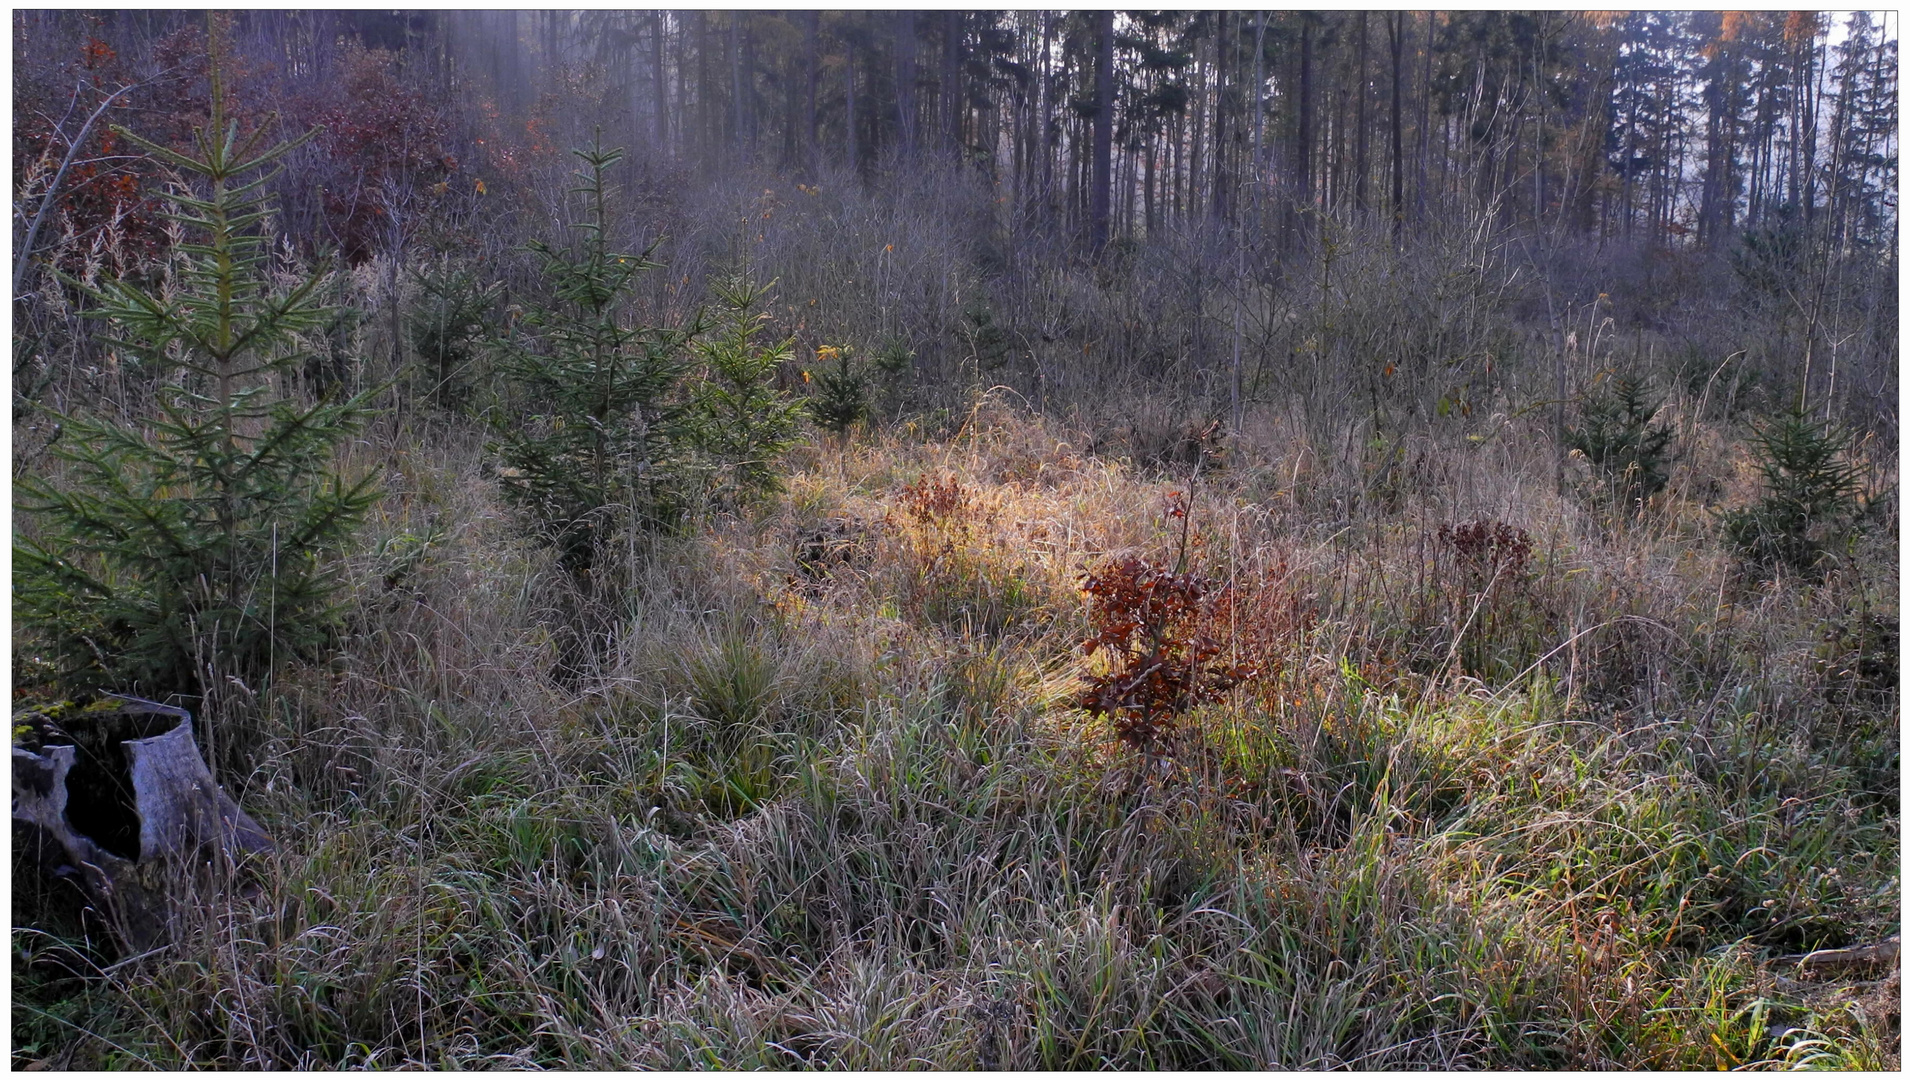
(196,544)
(842,391)
(594,446)
(742,424)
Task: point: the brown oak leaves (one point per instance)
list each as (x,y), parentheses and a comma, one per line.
(1166,634)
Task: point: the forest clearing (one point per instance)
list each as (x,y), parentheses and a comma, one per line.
(960,540)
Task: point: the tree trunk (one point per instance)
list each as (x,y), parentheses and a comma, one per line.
(905,81)
(1220,116)
(1303,143)
(1396,41)
(704,105)
(1425,125)
(1259,110)
(1044,118)
(739,126)
(951,89)
(1359,128)
(812,63)
(662,103)
(1103,129)
(849,89)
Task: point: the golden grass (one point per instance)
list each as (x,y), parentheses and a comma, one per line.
(839,811)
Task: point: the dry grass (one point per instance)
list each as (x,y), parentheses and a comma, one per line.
(827,803)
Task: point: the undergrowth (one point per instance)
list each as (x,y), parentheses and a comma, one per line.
(1506,788)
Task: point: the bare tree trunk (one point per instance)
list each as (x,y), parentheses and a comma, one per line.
(1359,128)
(1425,123)
(1103,129)
(1303,148)
(1259,108)
(1044,117)
(811,64)
(849,82)
(662,84)
(701,20)
(1396,41)
(1149,219)
(739,133)
(905,81)
(951,83)
(1221,43)
(685,127)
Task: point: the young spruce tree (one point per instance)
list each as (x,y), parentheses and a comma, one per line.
(742,423)
(623,426)
(193,546)
(842,395)
(596,455)
(1630,455)
(1813,497)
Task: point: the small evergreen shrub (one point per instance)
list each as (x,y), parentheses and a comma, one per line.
(622,427)
(990,347)
(448,327)
(1769,258)
(1812,499)
(741,424)
(894,361)
(1858,661)
(1629,455)
(842,392)
(596,446)
(196,544)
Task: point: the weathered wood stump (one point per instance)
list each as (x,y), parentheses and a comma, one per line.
(115,797)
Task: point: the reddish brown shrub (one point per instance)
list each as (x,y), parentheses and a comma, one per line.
(934,501)
(384,150)
(100,206)
(1168,634)
(1488,548)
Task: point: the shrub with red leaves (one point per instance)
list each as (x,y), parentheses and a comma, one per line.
(1166,633)
(1483,606)
(100,206)
(383,147)
(1488,548)
(933,500)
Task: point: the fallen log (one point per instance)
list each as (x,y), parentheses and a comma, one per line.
(1881,954)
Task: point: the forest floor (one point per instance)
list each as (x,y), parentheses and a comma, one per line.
(1515,782)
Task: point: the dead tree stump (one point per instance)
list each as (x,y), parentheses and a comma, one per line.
(114,797)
